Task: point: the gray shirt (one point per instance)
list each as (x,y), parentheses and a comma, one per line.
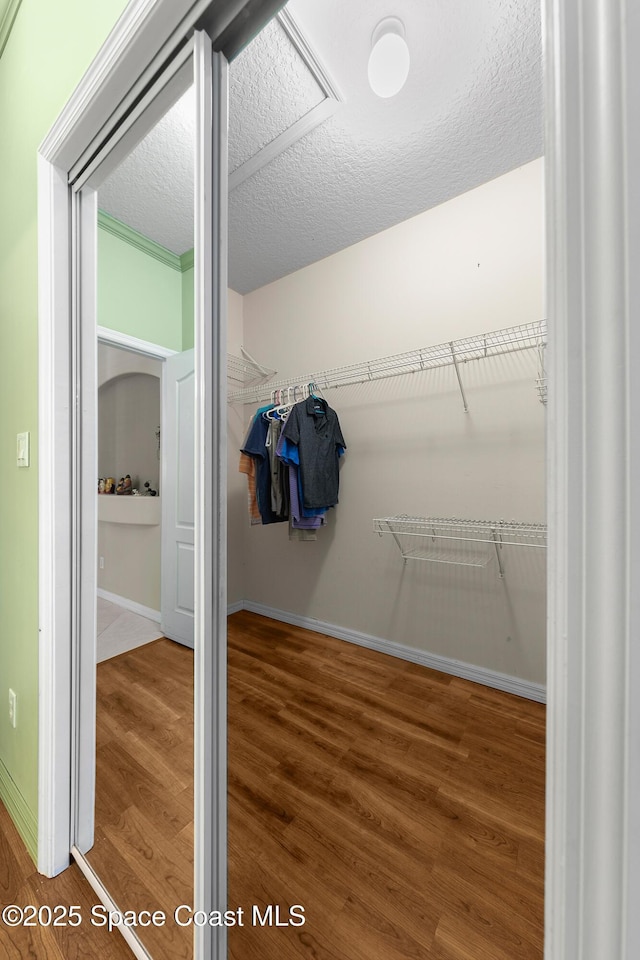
(315,429)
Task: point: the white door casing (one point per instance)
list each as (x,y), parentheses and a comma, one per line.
(592,882)
(177,497)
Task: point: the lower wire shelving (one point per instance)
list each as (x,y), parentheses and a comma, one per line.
(470,543)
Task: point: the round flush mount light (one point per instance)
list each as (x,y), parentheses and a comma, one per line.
(389,60)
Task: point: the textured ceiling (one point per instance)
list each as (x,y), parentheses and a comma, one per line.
(470,111)
(152,190)
(270,87)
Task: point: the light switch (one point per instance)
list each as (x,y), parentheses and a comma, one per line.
(23,449)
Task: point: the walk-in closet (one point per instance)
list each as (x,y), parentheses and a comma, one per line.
(386,673)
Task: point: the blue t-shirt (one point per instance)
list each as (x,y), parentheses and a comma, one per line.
(255,446)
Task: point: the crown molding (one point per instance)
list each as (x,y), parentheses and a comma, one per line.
(7,22)
(187,260)
(118,229)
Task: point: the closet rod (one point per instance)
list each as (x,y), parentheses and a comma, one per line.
(454,352)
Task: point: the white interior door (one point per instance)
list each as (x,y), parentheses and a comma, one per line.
(178,497)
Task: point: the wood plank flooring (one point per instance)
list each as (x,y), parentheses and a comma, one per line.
(21,884)
(143,849)
(403,808)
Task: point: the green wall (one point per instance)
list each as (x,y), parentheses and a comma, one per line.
(187,306)
(144,290)
(139,289)
(49,48)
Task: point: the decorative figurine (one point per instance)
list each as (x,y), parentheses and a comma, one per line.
(124,486)
(110,485)
(150,492)
(101,485)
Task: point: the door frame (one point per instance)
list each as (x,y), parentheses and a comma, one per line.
(67,228)
(593,464)
(593,142)
(115,338)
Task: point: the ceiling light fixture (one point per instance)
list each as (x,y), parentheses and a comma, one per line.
(389,60)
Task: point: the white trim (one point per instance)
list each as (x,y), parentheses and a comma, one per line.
(115,338)
(137,947)
(141,41)
(130,605)
(173,82)
(54,521)
(593,225)
(456,668)
(235,607)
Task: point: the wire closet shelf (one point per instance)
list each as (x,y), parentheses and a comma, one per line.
(469,543)
(246,370)
(453,353)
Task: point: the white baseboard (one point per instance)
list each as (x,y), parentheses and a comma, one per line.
(235,607)
(457,668)
(130,605)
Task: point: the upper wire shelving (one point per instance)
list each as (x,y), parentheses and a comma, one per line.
(452,353)
(246,370)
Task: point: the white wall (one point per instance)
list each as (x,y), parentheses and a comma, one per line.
(236,482)
(472,265)
(128,415)
(128,421)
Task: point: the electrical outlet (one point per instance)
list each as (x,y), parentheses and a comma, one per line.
(13,708)
(101,564)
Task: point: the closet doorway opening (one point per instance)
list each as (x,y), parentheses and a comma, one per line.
(571,918)
(386,668)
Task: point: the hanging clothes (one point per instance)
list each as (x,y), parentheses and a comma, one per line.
(249,468)
(300,518)
(290,457)
(313,427)
(279,473)
(255,446)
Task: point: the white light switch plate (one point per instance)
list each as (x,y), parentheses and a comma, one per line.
(23,449)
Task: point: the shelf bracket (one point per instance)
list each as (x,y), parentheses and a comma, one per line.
(498,545)
(397,540)
(455,363)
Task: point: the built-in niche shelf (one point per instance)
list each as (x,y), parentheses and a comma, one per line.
(468,543)
(144,511)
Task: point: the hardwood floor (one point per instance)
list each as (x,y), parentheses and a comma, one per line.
(402,808)
(143,847)
(21,884)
